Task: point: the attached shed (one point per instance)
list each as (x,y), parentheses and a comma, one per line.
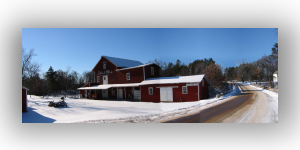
(175,89)
(24,99)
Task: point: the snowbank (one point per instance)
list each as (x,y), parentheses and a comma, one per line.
(79,110)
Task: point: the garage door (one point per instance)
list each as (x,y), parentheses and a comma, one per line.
(166,94)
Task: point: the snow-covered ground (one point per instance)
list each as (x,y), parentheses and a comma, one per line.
(84,110)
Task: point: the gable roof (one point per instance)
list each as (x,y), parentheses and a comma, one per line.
(120,62)
(137,66)
(176,79)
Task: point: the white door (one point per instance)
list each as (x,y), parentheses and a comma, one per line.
(104,93)
(105,79)
(137,94)
(120,94)
(166,94)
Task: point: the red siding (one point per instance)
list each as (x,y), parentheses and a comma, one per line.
(177,93)
(136,75)
(110,93)
(24,100)
(150,98)
(112,77)
(204,93)
(148,71)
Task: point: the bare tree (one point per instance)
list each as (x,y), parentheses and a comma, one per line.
(28,67)
(199,67)
(88,76)
(214,74)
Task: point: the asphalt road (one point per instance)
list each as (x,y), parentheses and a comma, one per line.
(248,106)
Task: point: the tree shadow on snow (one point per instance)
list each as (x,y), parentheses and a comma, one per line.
(33,117)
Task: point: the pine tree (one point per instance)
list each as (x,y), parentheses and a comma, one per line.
(51,80)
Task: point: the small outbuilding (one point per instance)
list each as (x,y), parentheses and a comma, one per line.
(24,99)
(175,89)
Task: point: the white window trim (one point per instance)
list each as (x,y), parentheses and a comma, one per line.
(149,90)
(152,70)
(104,66)
(127,76)
(98,79)
(186,90)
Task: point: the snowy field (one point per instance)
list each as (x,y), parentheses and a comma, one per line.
(83,110)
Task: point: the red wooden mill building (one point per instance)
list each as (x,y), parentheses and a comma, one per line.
(117,78)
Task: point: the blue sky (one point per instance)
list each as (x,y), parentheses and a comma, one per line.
(81,48)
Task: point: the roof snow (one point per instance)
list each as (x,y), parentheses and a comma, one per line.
(177,79)
(120,62)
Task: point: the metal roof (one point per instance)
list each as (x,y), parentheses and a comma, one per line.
(120,62)
(137,66)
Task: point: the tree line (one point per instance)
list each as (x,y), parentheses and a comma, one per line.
(51,81)
(66,80)
(213,71)
(260,70)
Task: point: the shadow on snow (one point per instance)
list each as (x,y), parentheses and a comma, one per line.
(33,117)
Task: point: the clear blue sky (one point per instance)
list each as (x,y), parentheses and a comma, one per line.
(82,48)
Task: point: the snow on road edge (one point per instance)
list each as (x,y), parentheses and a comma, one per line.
(154,118)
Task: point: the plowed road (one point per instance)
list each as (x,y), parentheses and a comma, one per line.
(248,106)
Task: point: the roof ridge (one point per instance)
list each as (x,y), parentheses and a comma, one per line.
(122,58)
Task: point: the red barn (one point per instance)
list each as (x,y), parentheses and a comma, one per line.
(175,89)
(117,78)
(24,99)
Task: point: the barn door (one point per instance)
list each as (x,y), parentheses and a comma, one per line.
(105,93)
(120,94)
(137,94)
(166,94)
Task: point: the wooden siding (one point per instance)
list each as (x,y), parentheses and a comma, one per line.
(112,77)
(177,93)
(204,92)
(148,71)
(136,75)
(24,100)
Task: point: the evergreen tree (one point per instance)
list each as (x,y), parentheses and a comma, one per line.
(51,80)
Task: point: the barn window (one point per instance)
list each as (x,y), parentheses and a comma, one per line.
(113,92)
(152,71)
(128,76)
(104,66)
(150,90)
(184,90)
(98,79)
(202,83)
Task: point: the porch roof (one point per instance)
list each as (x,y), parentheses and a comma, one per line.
(107,86)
